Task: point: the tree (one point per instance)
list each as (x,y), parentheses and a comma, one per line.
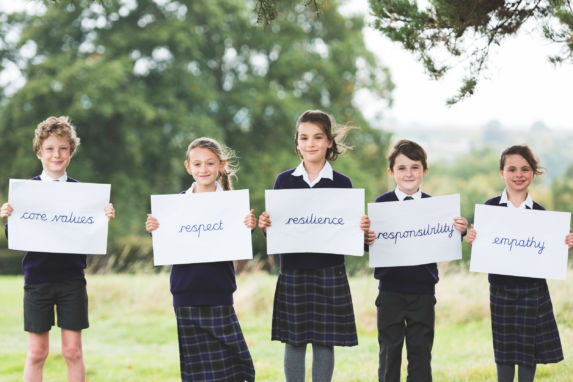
(141,80)
(461,28)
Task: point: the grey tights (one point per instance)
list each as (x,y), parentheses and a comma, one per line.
(506,373)
(322,363)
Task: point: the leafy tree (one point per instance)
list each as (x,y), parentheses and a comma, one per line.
(460,28)
(142,79)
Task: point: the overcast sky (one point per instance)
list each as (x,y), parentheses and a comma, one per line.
(521,87)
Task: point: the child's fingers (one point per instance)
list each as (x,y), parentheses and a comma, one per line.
(151,224)
(6,210)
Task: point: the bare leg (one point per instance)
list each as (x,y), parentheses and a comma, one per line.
(72,352)
(38,348)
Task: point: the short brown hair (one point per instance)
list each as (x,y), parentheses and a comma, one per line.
(58,126)
(410,149)
(526,153)
(334,133)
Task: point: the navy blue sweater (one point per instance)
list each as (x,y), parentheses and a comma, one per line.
(512,281)
(419,279)
(310,260)
(44,267)
(203,283)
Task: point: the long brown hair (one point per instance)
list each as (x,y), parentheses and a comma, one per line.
(526,153)
(334,132)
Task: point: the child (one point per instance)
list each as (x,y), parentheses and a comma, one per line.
(203,293)
(313,285)
(54,279)
(406,298)
(524,328)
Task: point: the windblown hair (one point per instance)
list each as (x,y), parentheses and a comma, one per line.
(223,153)
(58,126)
(526,153)
(334,133)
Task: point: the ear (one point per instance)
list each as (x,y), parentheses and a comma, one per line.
(187,167)
(330,143)
(390,172)
(426,171)
(501,173)
(222,165)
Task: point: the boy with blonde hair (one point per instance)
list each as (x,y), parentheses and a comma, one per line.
(54,279)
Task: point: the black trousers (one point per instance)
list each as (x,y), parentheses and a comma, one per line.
(410,317)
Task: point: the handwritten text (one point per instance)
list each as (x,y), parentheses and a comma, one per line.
(311,219)
(426,231)
(197,228)
(529,243)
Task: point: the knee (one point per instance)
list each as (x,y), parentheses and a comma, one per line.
(37,354)
(72,353)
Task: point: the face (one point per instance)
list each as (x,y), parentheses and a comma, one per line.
(312,143)
(204,165)
(517,173)
(55,155)
(408,174)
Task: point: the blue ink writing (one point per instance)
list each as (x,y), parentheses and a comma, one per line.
(197,228)
(529,243)
(436,229)
(34,216)
(312,219)
(71,219)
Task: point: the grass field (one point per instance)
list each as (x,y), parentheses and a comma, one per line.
(133,334)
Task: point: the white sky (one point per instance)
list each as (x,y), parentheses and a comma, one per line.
(521,86)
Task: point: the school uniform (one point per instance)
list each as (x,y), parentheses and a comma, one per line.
(211,343)
(405,309)
(312,301)
(54,279)
(522,320)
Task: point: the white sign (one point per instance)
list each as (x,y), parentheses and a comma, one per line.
(321,220)
(520,242)
(201,227)
(59,217)
(415,232)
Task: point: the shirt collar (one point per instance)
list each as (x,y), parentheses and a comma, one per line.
(527,203)
(326,173)
(45,177)
(401,195)
(192,188)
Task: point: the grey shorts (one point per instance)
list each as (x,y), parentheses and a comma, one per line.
(70,299)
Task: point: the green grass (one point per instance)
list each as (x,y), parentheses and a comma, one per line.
(133,334)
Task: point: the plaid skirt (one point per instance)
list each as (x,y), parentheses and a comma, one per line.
(211,345)
(523,325)
(314,306)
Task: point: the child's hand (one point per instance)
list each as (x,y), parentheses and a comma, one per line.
(109,211)
(471,236)
(264,221)
(251,220)
(369,236)
(6,210)
(461,224)
(365,223)
(569,240)
(151,224)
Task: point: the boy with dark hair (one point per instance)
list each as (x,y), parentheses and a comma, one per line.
(406,296)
